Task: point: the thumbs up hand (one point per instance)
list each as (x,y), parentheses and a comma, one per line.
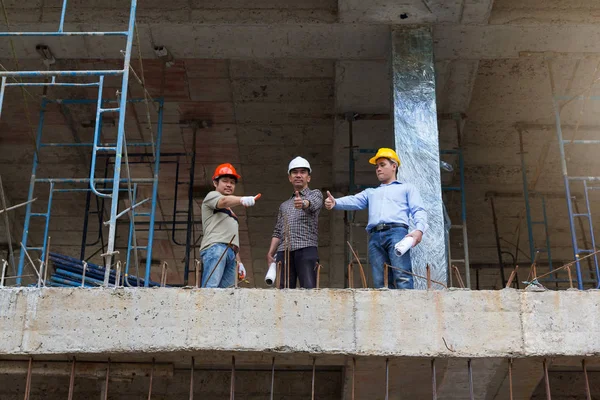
(298,202)
(329,201)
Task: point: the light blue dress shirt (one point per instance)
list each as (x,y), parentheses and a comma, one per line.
(393,203)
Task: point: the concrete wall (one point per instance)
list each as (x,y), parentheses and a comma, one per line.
(455,323)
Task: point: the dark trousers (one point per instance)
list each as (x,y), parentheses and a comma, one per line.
(302,267)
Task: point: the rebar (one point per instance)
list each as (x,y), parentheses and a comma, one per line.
(107,379)
(163,275)
(72,380)
(118,275)
(39,282)
(416,275)
(232,389)
(313,378)
(30,260)
(151,378)
(192,380)
(588,393)
(350,275)
(513,274)
(198,269)
(318,268)
(28,380)
(428,277)
(353,376)
(278,275)
(510,380)
(4,264)
(471,392)
(46,261)
(433,380)
(84,263)
(385,278)
(362,271)
(547,381)
(387,378)
(272,378)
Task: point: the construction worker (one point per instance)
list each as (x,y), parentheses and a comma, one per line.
(220,226)
(390,206)
(297,229)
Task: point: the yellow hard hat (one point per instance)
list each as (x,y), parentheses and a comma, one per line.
(384,152)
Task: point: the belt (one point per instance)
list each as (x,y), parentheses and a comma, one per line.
(235,248)
(385,227)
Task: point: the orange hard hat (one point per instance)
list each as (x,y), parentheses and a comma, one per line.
(225,169)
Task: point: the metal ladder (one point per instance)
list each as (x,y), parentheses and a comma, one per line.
(567,180)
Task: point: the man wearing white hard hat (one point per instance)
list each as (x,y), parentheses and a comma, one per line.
(298,227)
(392,205)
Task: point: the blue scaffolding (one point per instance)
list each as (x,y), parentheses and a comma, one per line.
(113,185)
(585,181)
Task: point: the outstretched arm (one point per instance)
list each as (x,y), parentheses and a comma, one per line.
(232,201)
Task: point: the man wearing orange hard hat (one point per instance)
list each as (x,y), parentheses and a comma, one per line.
(220,225)
(391,206)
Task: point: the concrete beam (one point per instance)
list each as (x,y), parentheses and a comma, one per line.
(399,12)
(457,323)
(311,40)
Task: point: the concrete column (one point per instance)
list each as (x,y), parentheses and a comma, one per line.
(417,142)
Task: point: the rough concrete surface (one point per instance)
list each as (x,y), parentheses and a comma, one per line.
(457,323)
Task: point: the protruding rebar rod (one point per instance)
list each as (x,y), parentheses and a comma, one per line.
(232,390)
(107,379)
(72,380)
(547,381)
(272,378)
(83,274)
(151,379)
(192,372)
(471,392)
(28,381)
(353,376)
(198,269)
(387,376)
(313,378)
(163,275)
(433,380)
(4,264)
(510,380)
(46,265)
(588,393)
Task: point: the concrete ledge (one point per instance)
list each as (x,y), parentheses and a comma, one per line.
(455,323)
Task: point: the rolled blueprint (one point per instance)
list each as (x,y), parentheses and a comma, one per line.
(402,246)
(271,274)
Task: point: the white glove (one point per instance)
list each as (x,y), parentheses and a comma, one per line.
(404,245)
(241,271)
(247,201)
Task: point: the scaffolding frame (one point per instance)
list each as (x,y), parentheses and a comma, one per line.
(568,179)
(117,149)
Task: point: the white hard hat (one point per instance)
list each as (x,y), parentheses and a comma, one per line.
(299,162)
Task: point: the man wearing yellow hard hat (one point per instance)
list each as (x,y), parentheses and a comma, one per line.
(391,207)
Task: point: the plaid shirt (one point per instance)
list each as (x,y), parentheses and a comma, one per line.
(303,224)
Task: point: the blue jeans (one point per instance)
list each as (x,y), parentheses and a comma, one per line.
(224,274)
(381,250)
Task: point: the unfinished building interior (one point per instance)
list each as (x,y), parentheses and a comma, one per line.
(114,115)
